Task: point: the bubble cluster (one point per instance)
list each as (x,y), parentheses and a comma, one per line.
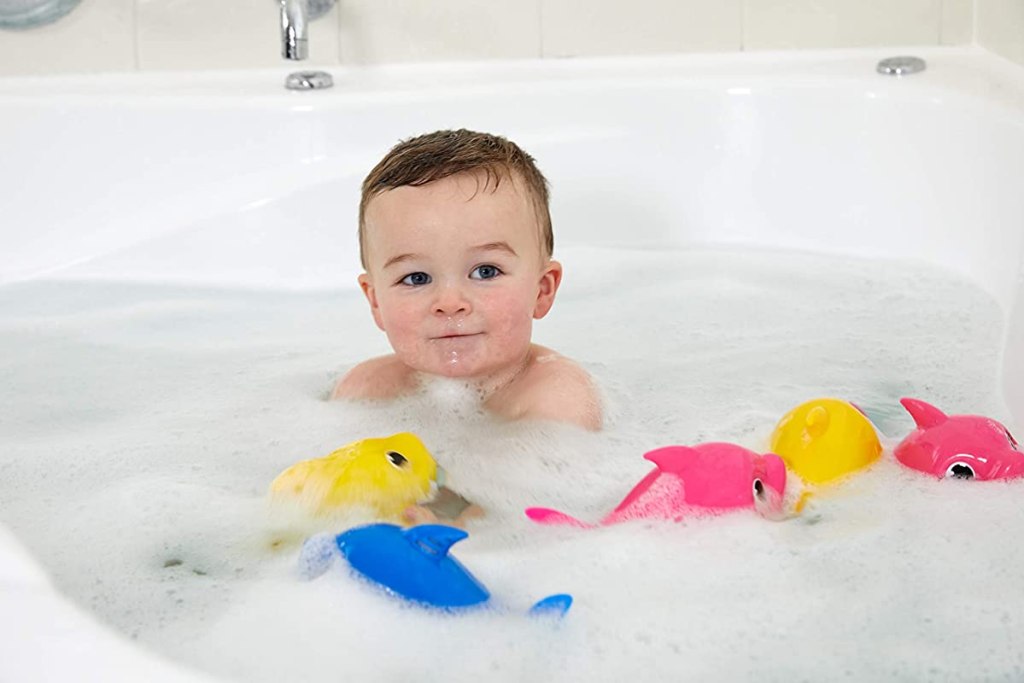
(143,425)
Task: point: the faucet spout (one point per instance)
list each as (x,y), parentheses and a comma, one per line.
(294,36)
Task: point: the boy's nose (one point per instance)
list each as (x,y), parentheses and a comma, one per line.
(451,300)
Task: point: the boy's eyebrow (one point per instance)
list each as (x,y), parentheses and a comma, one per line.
(496,246)
(398,259)
(490,246)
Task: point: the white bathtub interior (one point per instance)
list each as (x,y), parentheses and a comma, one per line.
(184,207)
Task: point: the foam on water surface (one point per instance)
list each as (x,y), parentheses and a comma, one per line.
(142,425)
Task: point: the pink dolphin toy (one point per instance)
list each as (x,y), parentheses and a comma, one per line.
(962,446)
(712,475)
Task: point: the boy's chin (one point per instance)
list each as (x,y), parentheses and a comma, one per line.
(461,368)
(455,369)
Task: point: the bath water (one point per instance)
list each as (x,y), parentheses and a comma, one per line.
(143,423)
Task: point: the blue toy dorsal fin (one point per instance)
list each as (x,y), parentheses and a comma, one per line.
(553,605)
(670,458)
(434,539)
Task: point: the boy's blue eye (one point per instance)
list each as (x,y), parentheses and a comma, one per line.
(416,279)
(485,272)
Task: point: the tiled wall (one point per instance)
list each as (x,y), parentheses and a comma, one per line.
(125,35)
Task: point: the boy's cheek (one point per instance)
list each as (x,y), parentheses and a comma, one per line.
(510,317)
(398,319)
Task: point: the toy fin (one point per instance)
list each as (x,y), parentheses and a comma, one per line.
(817,420)
(317,555)
(434,539)
(925,414)
(670,458)
(554,517)
(552,606)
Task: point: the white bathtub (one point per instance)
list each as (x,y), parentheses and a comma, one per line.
(128,178)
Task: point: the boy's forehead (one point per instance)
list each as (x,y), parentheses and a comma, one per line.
(462,203)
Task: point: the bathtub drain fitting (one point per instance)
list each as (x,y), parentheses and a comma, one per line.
(901,66)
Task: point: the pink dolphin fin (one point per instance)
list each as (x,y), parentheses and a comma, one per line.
(550,517)
(958,446)
(925,414)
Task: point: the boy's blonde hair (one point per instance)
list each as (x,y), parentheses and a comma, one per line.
(426,158)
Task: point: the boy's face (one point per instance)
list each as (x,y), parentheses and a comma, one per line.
(455,274)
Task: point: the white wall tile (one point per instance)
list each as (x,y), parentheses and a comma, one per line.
(781,24)
(375,31)
(98,35)
(224,34)
(612,27)
(1000,27)
(957,22)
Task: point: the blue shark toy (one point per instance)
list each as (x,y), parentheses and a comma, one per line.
(412,563)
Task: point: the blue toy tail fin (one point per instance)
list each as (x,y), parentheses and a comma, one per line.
(434,539)
(552,606)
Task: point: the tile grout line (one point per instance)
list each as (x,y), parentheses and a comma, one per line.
(135,36)
(743,25)
(540,28)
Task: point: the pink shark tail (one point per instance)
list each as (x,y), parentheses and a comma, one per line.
(925,414)
(550,517)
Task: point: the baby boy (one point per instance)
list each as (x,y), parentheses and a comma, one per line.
(455,238)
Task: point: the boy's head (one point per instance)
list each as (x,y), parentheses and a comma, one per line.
(456,241)
(444,153)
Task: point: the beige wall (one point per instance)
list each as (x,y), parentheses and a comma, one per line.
(125,35)
(1000,27)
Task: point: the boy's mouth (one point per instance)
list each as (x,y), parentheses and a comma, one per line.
(459,335)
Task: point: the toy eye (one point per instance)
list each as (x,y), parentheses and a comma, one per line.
(758,488)
(397,459)
(960,470)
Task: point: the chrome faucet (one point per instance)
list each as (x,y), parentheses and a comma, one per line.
(295,15)
(294,40)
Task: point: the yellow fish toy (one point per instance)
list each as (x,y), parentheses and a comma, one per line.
(384,476)
(825,439)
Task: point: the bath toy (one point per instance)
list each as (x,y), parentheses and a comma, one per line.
(714,476)
(412,563)
(960,446)
(825,439)
(385,475)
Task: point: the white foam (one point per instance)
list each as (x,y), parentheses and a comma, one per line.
(143,425)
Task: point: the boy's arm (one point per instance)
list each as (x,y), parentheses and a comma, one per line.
(378,378)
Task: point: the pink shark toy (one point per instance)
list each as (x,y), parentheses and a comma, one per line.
(961,446)
(715,476)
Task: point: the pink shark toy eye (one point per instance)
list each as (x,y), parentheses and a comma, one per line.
(959,470)
(758,489)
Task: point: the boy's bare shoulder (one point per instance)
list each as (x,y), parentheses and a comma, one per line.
(377,378)
(556,388)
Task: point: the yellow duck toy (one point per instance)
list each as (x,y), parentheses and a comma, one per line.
(825,439)
(385,476)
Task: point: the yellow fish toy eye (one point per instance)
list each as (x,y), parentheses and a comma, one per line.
(384,475)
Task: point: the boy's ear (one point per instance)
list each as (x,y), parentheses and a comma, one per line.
(550,278)
(366,284)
